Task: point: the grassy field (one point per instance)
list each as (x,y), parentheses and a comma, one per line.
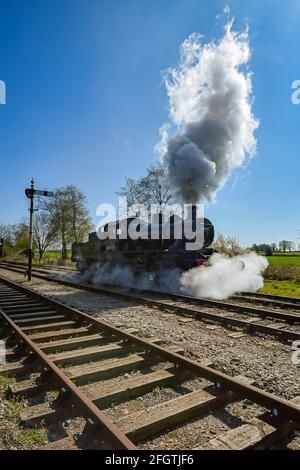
(54,254)
(287,253)
(287,288)
(54,258)
(50,257)
(283,275)
(286,260)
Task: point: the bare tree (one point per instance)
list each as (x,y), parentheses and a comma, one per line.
(81,221)
(44,232)
(5,238)
(6,232)
(69,216)
(59,210)
(283,244)
(274,247)
(286,245)
(150,189)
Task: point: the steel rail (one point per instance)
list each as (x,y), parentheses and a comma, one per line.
(278,406)
(263,301)
(282,298)
(99,419)
(288,317)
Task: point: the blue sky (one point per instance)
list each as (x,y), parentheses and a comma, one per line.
(85,100)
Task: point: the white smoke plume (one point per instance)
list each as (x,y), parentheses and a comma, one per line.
(219,279)
(225,276)
(210,102)
(122,276)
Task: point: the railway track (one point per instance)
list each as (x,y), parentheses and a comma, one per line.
(276,301)
(242,318)
(256,297)
(250,297)
(292,303)
(69,365)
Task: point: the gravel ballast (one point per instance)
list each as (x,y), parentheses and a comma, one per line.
(263,359)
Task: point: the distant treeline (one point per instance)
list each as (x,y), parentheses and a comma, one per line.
(282,247)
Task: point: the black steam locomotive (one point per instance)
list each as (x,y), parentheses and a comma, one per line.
(152,251)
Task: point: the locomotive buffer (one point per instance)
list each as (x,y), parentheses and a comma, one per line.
(30,193)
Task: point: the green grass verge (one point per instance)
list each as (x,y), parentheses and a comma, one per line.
(54,254)
(12,434)
(286,288)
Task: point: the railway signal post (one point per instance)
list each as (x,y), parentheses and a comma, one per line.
(30,193)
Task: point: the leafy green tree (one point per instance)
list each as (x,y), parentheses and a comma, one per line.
(263,249)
